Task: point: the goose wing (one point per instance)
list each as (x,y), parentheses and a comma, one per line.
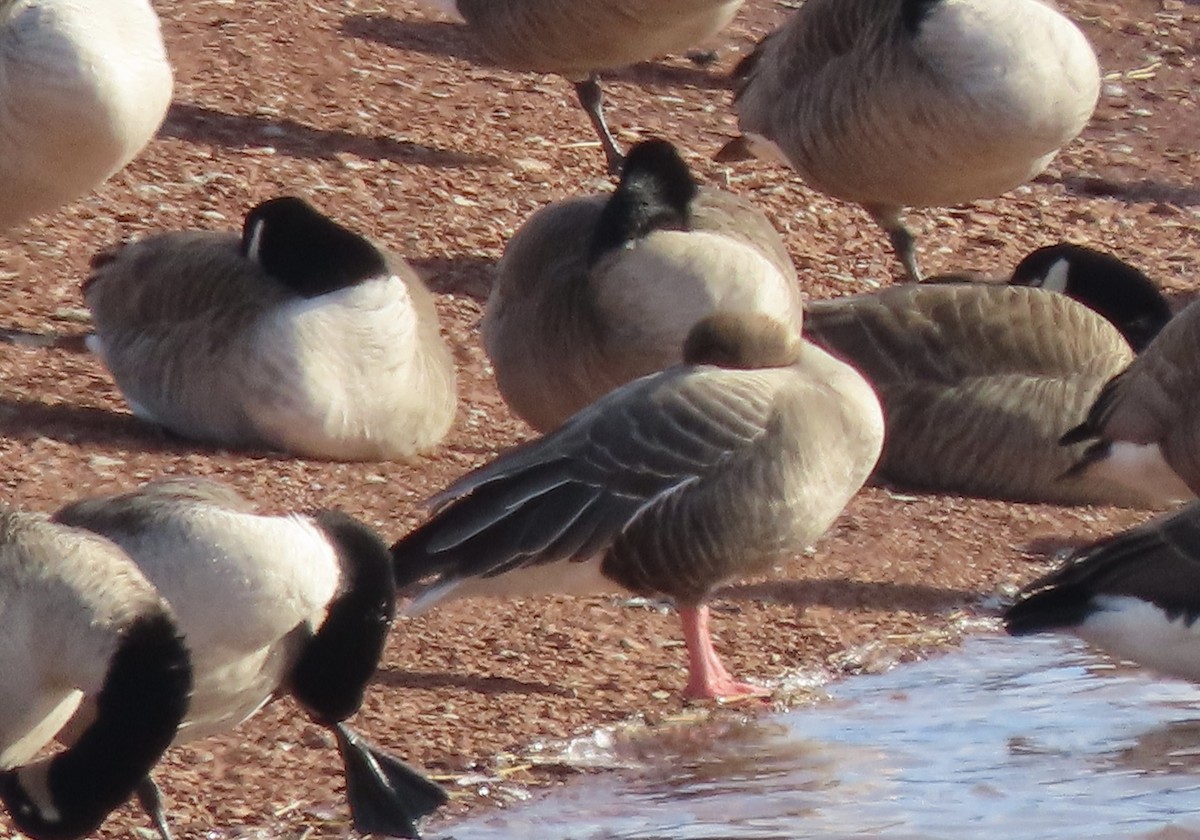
(569,494)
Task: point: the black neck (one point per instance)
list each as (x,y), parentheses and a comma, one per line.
(138,711)
(331,675)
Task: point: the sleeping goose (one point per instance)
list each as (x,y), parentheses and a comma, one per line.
(915,103)
(297,605)
(84,85)
(299,335)
(978,383)
(576,40)
(1100,281)
(672,484)
(596,290)
(1143,429)
(1135,595)
(79,622)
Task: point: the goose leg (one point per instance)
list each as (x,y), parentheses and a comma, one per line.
(888,218)
(150,798)
(386,795)
(591,97)
(707,677)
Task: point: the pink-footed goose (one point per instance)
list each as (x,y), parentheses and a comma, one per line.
(978,382)
(915,103)
(299,335)
(672,484)
(594,291)
(270,605)
(576,40)
(84,85)
(80,624)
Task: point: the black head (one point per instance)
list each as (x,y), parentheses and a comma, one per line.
(745,341)
(331,675)
(914,12)
(655,193)
(309,252)
(1102,282)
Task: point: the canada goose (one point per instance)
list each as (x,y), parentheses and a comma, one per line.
(978,382)
(1136,594)
(575,40)
(1142,428)
(673,484)
(305,604)
(299,335)
(84,84)
(915,103)
(596,290)
(79,622)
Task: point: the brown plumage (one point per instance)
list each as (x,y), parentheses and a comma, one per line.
(577,39)
(597,290)
(924,103)
(672,484)
(978,383)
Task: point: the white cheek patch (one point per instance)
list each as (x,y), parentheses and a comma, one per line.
(256,232)
(35,781)
(1142,467)
(1056,276)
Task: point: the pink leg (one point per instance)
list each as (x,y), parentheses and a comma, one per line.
(707,677)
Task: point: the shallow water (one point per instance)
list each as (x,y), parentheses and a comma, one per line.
(1013,738)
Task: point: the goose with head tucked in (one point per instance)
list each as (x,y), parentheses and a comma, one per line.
(1135,595)
(915,103)
(80,623)
(270,605)
(594,291)
(1143,429)
(978,382)
(298,335)
(672,484)
(577,40)
(84,85)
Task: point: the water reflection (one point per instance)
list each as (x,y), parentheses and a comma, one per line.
(1029,739)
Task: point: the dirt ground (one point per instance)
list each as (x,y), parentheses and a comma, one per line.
(389,119)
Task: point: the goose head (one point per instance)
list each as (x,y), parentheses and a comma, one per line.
(306,250)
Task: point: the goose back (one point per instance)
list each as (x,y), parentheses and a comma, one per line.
(575,39)
(566,322)
(845,88)
(83,87)
(978,383)
(203,340)
(672,484)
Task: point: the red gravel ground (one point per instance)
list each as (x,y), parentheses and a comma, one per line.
(386,117)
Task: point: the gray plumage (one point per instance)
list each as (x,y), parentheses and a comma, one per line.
(298,335)
(922,103)
(978,383)
(586,299)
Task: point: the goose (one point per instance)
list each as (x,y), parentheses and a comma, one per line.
(79,622)
(1135,594)
(671,484)
(1103,282)
(576,40)
(305,604)
(915,103)
(596,290)
(1141,430)
(978,383)
(84,85)
(300,335)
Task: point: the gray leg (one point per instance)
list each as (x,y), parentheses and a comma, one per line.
(902,241)
(150,798)
(592,100)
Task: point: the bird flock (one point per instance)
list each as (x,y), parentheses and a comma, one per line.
(698,419)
